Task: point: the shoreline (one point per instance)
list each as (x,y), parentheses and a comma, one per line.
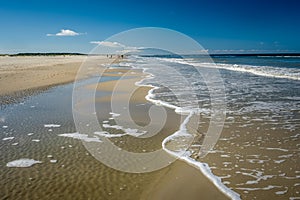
(201,167)
(189,173)
(236,155)
(180,175)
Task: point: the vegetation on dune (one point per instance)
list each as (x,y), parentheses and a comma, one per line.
(46,54)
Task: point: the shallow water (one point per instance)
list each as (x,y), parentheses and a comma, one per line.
(257,154)
(43,157)
(30,129)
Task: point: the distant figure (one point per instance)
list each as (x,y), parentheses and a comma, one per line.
(110,56)
(122,56)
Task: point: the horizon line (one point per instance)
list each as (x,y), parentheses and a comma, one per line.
(210,54)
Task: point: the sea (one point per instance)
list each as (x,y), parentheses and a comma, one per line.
(257,154)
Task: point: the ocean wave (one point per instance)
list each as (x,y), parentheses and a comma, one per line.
(267,71)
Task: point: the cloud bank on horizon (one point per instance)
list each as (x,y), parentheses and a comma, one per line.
(108,44)
(115,47)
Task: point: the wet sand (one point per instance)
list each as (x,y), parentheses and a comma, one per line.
(183,182)
(86,175)
(177,181)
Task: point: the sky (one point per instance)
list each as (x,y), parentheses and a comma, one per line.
(220,26)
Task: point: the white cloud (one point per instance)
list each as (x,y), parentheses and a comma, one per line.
(108,44)
(65,32)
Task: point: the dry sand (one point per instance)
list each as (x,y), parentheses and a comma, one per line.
(21,73)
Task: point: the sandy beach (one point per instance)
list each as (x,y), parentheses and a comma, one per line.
(28,72)
(21,73)
(255,157)
(178,180)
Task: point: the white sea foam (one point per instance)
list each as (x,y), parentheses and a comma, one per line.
(274,148)
(269,187)
(282,192)
(150,95)
(294,198)
(128,131)
(112,126)
(113,115)
(292,98)
(23,162)
(278,161)
(8,138)
(267,71)
(134,132)
(108,135)
(79,136)
(285,156)
(52,125)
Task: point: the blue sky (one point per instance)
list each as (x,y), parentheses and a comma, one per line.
(218,25)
